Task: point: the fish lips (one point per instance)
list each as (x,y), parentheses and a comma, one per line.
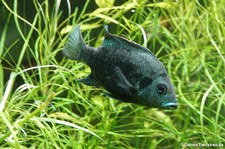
(170,105)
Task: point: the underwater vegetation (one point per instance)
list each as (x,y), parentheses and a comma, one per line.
(43,104)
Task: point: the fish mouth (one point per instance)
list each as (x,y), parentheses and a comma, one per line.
(170,105)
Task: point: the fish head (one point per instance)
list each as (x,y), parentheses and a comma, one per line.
(158,93)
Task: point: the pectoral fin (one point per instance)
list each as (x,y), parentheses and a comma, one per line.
(123,83)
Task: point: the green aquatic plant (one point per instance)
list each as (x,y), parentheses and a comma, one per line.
(42,105)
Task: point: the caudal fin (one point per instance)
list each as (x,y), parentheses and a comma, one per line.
(74,45)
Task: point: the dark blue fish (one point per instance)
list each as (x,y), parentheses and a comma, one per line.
(128,71)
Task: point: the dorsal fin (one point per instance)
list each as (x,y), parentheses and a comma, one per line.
(121,43)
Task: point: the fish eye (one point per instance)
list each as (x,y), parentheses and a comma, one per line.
(161,89)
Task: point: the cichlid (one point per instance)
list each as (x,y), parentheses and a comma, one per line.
(128,71)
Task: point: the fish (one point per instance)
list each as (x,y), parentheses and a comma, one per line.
(127,71)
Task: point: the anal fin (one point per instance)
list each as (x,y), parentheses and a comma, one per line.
(90,81)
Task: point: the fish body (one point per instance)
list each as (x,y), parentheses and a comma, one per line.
(128,71)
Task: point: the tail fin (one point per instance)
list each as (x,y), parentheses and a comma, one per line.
(74,45)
